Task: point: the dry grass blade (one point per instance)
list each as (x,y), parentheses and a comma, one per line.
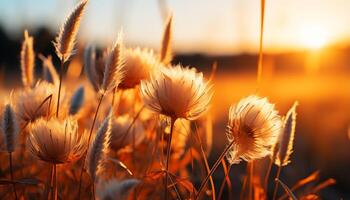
(312,177)
(166,51)
(323,185)
(49,70)
(113,73)
(65,40)
(121,164)
(27,60)
(285,187)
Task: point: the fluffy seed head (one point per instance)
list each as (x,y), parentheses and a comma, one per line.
(99,148)
(30,103)
(286,137)
(65,40)
(177,92)
(56,141)
(125,131)
(138,65)
(9,128)
(253,127)
(114,68)
(27,60)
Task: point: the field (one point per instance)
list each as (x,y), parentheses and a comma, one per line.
(119,121)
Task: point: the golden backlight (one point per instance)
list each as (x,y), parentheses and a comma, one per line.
(313,37)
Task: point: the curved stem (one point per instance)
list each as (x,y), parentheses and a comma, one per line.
(215,166)
(11,173)
(59,86)
(207,168)
(226,179)
(276,184)
(89,139)
(172,122)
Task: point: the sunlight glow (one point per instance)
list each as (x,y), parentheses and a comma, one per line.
(313,37)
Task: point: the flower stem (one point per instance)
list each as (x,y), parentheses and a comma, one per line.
(59,86)
(11,173)
(172,122)
(89,139)
(226,179)
(215,166)
(266,181)
(54,182)
(276,184)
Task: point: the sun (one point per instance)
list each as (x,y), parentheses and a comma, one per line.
(313,37)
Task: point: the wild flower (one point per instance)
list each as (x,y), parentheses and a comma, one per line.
(253,127)
(177,92)
(56,141)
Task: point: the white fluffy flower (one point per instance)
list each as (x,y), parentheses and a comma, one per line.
(253,127)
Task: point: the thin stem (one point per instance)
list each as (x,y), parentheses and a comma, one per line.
(251,177)
(59,86)
(88,144)
(260,62)
(276,184)
(215,166)
(244,186)
(93,191)
(266,181)
(226,179)
(48,186)
(172,122)
(11,173)
(54,182)
(207,168)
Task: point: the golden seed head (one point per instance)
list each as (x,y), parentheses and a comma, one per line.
(56,141)
(177,92)
(253,127)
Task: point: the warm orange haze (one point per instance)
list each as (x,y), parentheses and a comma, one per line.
(165,99)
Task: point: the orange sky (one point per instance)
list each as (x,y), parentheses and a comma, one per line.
(207,26)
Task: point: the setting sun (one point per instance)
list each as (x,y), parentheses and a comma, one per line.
(313,37)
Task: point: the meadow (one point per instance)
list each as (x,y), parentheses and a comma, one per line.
(123,122)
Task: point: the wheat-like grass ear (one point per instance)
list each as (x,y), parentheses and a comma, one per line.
(166,51)
(49,70)
(99,147)
(77,101)
(27,60)
(286,139)
(114,72)
(65,41)
(90,66)
(10,128)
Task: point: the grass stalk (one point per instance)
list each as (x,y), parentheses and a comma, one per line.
(11,173)
(276,184)
(215,166)
(60,86)
(172,122)
(88,144)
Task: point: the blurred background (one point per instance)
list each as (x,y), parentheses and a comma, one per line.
(306,58)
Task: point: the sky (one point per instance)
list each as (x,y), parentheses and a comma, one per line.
(201,26)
